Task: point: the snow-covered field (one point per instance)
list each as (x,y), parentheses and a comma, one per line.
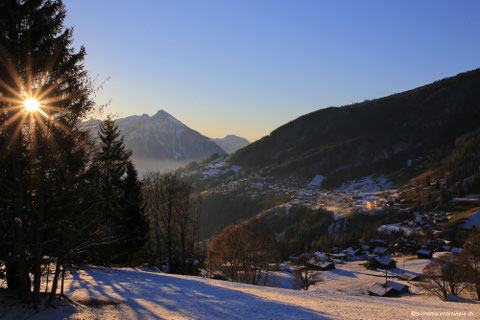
(150,294)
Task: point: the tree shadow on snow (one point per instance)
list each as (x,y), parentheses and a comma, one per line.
(153,295)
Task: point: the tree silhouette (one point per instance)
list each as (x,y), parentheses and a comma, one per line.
(44,154)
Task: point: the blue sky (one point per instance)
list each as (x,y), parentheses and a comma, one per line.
(246,67)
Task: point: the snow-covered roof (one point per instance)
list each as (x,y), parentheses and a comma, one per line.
(425,252)
(384,260)
(407,276)
(351,251)
(379,250)
(456,250)
(395,285)
(379,289)
(320,255)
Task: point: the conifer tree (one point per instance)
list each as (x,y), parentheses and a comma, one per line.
(120,197)
(43,151)
(112,162)
(132,222)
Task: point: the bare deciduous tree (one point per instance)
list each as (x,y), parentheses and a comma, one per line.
(471,250)
(446,276)
(238,254)
(304,273)
(173,226)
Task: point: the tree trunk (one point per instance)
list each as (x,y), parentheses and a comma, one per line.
(53,292)
(169,232)
(48,274)
(63,281)
(21,273)
(38,255)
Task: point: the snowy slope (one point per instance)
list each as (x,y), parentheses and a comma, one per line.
(472,221)
(149,294)
(232,143)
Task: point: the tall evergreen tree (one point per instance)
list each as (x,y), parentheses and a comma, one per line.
(43,151)
(132,222)
(120,196)
(112,162)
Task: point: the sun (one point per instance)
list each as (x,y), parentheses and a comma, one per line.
(31,105)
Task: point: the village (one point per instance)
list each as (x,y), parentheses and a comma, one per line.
(386,267)
(372,194)
(378,268)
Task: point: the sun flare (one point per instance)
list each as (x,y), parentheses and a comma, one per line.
(31,104)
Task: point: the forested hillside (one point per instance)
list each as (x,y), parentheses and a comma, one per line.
(373,136)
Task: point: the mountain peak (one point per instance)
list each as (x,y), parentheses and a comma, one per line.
(164,115)
(231,143)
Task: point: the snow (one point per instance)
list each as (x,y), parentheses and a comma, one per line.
(316,181)
(211,172)
(149,294)
(472,220)
(474,198)
(236,168)
(397,227)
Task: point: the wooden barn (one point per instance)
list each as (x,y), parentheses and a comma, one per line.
(388,289)
(381,263)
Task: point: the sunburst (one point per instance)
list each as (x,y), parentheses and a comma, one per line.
(31,105)
(29,108)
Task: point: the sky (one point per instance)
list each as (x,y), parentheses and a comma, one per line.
(247,67)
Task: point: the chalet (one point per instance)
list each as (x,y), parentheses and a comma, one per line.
(409,276)
(320,255)
(352,252)
(409,249)
(424,254)
(380,251)
(337,256)
(388,289)
(381,263)
(456,250)
(322,265)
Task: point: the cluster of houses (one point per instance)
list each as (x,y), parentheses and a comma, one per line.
(427,219)
(378,255)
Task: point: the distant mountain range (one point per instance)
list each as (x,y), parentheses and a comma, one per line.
(161,138)
(375,136)
(232,143)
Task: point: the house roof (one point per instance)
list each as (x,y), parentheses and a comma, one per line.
(382,290)
(352,251)
(396,286)
(407,276)
(380,250)
(425,252)
(320,255)
(379,241)
(384,260)
(379,289)
(457,250)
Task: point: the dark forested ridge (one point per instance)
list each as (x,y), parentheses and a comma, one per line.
(372,136)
